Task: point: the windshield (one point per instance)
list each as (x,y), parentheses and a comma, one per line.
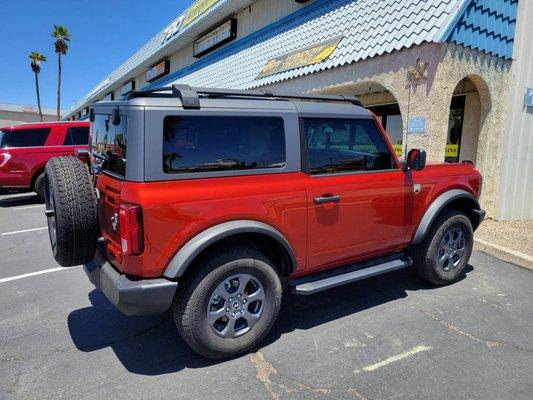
(109,143)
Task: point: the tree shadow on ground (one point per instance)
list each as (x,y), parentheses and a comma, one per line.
(152,345)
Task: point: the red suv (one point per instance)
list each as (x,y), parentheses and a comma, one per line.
(25,149)
(210,201)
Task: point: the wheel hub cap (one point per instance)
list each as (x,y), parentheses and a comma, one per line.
(451,248)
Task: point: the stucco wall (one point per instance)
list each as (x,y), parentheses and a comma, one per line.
(448,65)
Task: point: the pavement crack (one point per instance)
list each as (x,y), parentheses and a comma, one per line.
(455,329)
(265,373)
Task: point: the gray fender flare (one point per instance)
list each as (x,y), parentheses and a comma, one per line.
(183,258)
(438,204)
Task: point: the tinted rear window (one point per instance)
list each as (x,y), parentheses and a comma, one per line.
(24,137)
(77,136)
(109,143)
(202,144)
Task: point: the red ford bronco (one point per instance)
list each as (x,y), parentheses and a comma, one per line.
(210,201)
(25,149)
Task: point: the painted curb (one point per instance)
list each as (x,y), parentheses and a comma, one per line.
(504,253)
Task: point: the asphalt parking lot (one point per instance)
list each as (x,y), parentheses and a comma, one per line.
(390,337)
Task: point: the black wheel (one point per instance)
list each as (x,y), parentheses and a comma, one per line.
(229,303)
(38,186)
(445,251)
(71,211)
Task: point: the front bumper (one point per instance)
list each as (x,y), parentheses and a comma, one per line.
(130,296)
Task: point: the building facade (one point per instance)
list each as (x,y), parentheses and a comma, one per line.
(448,76)
(15,114)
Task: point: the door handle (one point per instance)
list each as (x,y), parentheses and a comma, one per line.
(326,199)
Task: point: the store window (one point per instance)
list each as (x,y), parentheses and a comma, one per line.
(391,119)
(455,129)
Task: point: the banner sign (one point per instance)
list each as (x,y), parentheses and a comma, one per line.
(417,125)
(313,54)
(158,70)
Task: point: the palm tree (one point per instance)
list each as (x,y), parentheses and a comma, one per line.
(36,60)
(62,36)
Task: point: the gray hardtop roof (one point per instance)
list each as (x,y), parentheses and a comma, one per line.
(300,106)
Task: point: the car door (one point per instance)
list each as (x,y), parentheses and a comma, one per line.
(358,197)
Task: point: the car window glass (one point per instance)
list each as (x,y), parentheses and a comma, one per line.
(344,145)
(201,144)
(77,136)
(24,137)
(109,144)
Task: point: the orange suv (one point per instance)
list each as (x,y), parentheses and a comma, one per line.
(210,202)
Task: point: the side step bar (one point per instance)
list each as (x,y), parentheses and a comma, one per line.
(328,280)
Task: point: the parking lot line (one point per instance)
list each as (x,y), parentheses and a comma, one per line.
(397,357)
(44,271)
(27,207)
(24,230)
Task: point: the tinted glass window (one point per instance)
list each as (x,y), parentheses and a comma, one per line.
(78,135)
(201,144)
(344,145)
(24,137)
(109,143)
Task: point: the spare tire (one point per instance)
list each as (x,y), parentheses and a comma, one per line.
(71,210)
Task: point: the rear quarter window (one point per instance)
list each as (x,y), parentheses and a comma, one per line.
(217,143)
(24,137)
(77,136)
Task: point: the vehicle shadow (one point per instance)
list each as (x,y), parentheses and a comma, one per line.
(152,345)
(26,199)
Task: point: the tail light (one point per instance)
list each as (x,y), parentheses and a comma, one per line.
(131,232)
(4,159)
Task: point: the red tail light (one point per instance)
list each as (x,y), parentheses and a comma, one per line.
(4,159)
(131,232)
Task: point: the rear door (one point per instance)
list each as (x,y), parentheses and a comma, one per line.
(357,196)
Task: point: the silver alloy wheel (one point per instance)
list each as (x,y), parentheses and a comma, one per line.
(235,305)
(452,248)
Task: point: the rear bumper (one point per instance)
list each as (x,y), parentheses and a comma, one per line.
(130,296)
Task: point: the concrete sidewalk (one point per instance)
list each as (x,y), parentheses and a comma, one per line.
(510,241)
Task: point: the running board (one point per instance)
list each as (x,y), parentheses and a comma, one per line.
(341,276)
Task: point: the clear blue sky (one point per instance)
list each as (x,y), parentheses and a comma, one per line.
(104,34)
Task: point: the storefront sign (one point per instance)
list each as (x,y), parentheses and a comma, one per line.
(216,38)
(198,8)
(417,125)
(300,58)
(29,109)
(452,150)
(127,88)
(160,69)
(528,101)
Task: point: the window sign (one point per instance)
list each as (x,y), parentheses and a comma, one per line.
(127,88)
(160,69)
(417,125)
(528,101)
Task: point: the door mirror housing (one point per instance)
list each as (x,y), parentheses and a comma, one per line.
(416,160)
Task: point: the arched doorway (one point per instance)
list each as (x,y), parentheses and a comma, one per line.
(468,108)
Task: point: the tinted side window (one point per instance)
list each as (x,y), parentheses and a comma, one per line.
(201,144)
(24,137)
(78,135)
(109,143)
(344,145)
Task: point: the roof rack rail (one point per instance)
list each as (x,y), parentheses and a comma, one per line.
(190,96)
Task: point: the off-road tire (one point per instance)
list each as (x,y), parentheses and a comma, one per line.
(38,186)
(425,255)
(192,299)
(72,211)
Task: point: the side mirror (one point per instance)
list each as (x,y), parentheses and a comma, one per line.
(416,160)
